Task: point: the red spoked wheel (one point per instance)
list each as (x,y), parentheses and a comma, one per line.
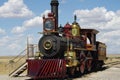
(89,62)
(82,62)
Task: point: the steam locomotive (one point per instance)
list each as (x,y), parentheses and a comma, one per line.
(65,51)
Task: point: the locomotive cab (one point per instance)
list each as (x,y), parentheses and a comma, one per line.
(89,35)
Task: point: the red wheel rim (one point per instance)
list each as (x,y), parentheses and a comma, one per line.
(89,64)
(82,67)
(82,62)
(89,61)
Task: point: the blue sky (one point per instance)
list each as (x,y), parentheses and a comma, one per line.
(20,19)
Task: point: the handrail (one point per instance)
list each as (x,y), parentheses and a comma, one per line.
(16,57)
(19,54)
(19,59)
(16,62)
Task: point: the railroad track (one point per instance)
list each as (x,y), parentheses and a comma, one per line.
(110,64)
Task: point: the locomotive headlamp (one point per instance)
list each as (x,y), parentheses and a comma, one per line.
(49,24)
(47,45)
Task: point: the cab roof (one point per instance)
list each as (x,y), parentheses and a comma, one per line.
(94,31)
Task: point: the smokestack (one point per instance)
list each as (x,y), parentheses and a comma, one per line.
(54,9)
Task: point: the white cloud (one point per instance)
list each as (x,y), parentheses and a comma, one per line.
(18,29)
(7,40)
(114,24)
(4,40)
(118,12)
(36,21)
(2,31)
(94,16)
(112,39)
(63,1)
(12,44)
(110,36)
(107,22)
(98,18)
(15,8)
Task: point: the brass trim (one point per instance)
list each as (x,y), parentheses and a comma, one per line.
(45,44)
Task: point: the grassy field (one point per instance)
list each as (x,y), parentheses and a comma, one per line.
(7,65)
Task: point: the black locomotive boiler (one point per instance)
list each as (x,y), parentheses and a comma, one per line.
(65,50)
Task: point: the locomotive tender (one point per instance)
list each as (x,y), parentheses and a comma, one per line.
(66,50)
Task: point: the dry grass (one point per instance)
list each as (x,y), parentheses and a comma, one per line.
(112,58)
(7,66)
(3,62)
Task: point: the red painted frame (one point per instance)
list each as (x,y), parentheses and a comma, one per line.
(46,68)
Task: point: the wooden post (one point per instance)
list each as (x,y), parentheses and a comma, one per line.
(27,47)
